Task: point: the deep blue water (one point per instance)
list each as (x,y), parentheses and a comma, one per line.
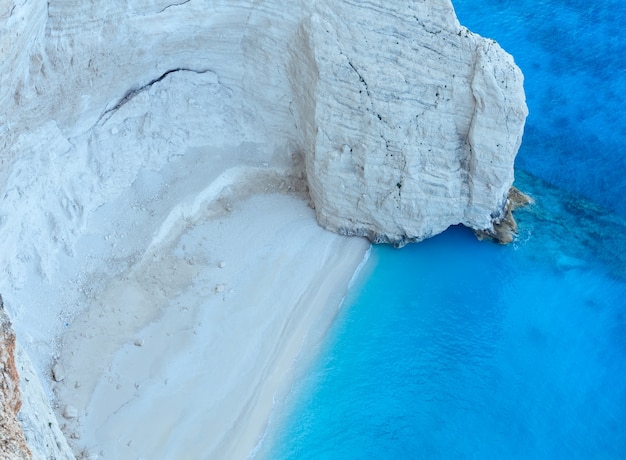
(573,56)
(454,348)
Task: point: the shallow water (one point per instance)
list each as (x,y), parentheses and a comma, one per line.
(454,348)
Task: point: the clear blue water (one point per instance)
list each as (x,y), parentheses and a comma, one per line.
(573,55)
(453,348)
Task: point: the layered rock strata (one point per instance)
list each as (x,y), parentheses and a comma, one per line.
(409,121)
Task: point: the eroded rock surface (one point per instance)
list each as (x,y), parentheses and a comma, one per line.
(410,122)
(12,441)
(39,424)
(504,230)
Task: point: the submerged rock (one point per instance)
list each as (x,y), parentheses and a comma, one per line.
(504,230)
(410,122)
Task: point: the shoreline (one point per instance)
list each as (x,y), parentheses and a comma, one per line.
(306,357)
(216,318)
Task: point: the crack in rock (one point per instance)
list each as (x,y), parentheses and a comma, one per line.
(130,94)
(173,4)
(367,90)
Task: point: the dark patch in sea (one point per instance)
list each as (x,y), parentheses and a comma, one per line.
(585,231)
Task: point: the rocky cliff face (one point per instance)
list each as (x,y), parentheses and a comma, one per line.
(28,427)
(407,121)
(410,122)
(12,441)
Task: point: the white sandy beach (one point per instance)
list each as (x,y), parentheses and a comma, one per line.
(185,346)
(165,264)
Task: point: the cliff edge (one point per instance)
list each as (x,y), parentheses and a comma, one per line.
(410,122)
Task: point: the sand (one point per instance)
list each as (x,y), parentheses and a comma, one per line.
(188,342)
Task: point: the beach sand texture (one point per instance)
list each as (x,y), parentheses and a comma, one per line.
(183,353)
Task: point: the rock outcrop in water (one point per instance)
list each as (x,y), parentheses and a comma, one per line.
(504,230)
(410,122)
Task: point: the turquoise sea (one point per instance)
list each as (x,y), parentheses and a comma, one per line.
(454,348)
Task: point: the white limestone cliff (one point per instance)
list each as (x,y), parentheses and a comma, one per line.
(408,123)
